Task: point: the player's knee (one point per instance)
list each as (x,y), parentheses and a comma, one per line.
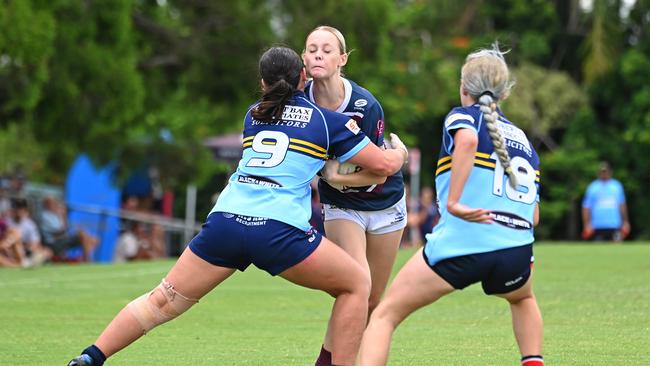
(159,306)
(360,283)
(355,282)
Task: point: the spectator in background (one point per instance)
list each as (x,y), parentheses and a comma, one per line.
(12,253)
(56,233)
(427,213)
(604,211)
(423,215)
(31,239)
(5,203)
(136,242)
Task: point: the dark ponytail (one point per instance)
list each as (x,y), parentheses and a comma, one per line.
(280,69)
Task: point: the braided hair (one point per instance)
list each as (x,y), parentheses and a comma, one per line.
(485,77)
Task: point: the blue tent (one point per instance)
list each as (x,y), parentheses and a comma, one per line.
(91,194)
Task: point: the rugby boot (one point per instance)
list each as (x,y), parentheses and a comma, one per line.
(83,360)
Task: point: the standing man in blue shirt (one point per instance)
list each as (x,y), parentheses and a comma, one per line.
(604,211)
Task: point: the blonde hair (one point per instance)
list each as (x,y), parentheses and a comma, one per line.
(335,32)
(486,78)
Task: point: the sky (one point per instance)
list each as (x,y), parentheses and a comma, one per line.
(625,10)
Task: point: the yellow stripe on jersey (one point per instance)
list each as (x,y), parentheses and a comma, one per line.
(485,163)
(443,168)
(247,144)
(308,151)
(444,160)
(307,143)
(444,164)
(248,141)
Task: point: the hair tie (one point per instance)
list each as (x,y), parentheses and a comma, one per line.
(487,92)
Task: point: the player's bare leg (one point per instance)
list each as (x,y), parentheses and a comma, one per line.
(189,280)
(415,286)
(526,319)
(381,252)
(330,269)
(352,239)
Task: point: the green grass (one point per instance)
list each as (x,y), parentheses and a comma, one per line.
(595,300)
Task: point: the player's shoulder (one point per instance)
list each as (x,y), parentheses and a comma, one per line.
(361,92)
(615,182)
(470,114)
(472,110)
(361,97)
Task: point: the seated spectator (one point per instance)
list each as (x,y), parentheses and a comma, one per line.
(56,233)
(137,243)
(30,237)
(5,203)
(12,253)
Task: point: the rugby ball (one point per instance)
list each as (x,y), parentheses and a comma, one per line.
(345,168)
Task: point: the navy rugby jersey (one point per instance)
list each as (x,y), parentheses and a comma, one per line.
(487,187)
(280,159)
(360,105)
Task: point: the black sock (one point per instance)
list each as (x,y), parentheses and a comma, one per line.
(325,358)
(97,355)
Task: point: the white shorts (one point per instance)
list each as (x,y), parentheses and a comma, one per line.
(373,222)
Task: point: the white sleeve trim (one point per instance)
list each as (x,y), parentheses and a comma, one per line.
(458,116)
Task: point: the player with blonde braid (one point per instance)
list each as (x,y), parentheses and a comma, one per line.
(489,109)
(487,182)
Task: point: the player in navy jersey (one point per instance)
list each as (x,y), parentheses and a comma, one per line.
(262,216)
(487,182)
(364,213)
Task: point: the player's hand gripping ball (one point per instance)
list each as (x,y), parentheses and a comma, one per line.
(333,168)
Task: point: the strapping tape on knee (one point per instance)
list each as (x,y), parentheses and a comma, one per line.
(160,305)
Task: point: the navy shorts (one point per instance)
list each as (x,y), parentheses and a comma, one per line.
(607,235)
(499,272)
(236,241)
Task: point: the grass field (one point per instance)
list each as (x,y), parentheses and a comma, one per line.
(595,300)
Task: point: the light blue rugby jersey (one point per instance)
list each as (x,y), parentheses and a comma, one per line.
(487,187)
(604,198)
(281,158)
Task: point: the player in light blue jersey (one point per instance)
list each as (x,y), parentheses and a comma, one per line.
(262,216)
(487,182)
(364,213)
